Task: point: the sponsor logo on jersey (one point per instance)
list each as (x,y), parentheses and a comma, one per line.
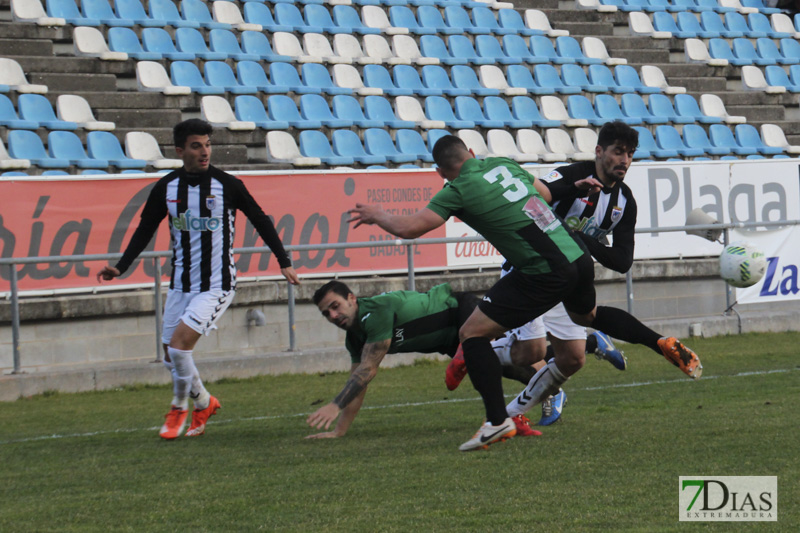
(187,222)
(552,176)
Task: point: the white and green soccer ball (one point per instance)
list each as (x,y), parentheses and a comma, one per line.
(742,265)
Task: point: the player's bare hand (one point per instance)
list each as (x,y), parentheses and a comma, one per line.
(589,186)
(325,435)
(324,416)
(108,273)
(364,214)
(290,275)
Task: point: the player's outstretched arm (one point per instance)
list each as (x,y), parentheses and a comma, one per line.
(404,226)
(356,385)
(346,417)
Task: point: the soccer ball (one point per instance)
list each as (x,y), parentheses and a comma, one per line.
(741,264)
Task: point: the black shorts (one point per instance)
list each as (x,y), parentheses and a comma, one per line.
(518,298)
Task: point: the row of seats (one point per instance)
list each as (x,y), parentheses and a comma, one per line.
(65,149)
(719,52)
(732,25)
(250,77)
(35,111)
(698,6)
(774,79)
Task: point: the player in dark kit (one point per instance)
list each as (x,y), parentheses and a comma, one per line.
(200,202)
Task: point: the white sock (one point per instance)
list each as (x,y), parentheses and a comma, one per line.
(502,348)
(544,383)
(182,375)
(171,368)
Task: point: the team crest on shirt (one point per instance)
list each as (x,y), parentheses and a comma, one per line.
(616,213)
(211,202)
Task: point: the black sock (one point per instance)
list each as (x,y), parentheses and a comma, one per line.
(486,373)
(625,327)
(523,374)
(591,343)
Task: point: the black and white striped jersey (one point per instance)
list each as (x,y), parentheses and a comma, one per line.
(610,211)
(201,210)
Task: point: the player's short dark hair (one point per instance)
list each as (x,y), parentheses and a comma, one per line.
(619,133)
(448,152)
(187,128)
(334,286)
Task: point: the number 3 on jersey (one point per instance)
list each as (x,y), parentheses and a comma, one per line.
(516,188)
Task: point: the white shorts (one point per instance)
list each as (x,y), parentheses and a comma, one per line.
(198,310)
(556,322)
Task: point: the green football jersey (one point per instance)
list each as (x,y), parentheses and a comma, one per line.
(496,197)
(424,322)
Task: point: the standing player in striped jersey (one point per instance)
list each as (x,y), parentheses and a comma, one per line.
(201,202)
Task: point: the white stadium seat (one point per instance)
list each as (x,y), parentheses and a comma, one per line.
(89,42)
(142,145)
(74,108)
(217,111)
(151,77)
(281,148)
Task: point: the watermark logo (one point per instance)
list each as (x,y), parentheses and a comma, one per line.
(728,498)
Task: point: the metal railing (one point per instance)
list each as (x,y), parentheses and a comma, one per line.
(13,263)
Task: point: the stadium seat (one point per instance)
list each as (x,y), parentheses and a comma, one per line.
(36,108)
(219,74)
(406,76)
(438,108)
(348,47)
(585,140)
(542,46)
(663,23)
(652,76)
(101,10)
(578,106)
(608,110)
(256,43)
(316,77)
(453,22)
(736,22)
(400,16)
(537,22)
(68,10)
(317,15)
(744,49)
(602,75)
(515,46)
(347,143)
(759,6)
(378,108)
(197,11)
(512,23)
(559,141)
(485,21)
(166,10)
(7,162)
(125,40)
(186,74)
(753,80)
(377,141)
(520,76)
(710,25)
(134,10)
(24,144)
(347,108)
(525,107)
(773,135)
(376,46)
(687,106)
(75,109)
(777,76)
(567,46)
(67,145)
(158,41)
(410,142)
(436,77)
(32,11)
(496,109)
(288,44)
(89,42)
(634,106)
(460,46)
(668,138)
(405,47)
(434,46)
(104,145)
(626,75)
(217,111)
(782,23)
(225,41)
(465,78)
(648,148)
(492,77)
(281,108)
(488,47)
(10,118)
(721,136)
(375,17)
(695,136)
(469,109)
(790,50)
(433,136)
(759,23)
(661,105)
(594,48)
(548,78)
(641,25)
(314,107)
(192,41)
(151,77)
(475,142)
(712,105)
(348,76)
(747,136)
(696,51)
(315,144)
(347,17)
(501,143)
(249,108)
(575,76)
(258,13)
(719,49)
(530,143)
(252,74)
(378,77)
(281,148)
(142,145)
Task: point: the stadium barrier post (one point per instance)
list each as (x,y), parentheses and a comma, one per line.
(412,285)
(12,278)
(292,340)
(629,289)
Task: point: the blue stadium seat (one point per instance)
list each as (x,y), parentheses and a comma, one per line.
(465,78)
(434,46)
(542,46)
(250,108)
(433,136)
(748,137)
(282,108)
(317,15)
(648,147)
(67,145)
(608,109)
(760,23)
(258,13)
(713,5)
(315,144)
(436,77)
(256,42)
(347,108)
(197,10)
(122,39)
(567,46)
(719,49)
(37,108)
(634,106)
(24,144)
(407,77)
(743,49)
(101,10)
(768,50)
(253,74)
(317,77)
(510,19)
(548,78)
(525,107)
(226,42)
(430,18)
(134,10)
(759,4)
(347,143)
(722,137)
(790,49)
(314,107)
(601,75)
(736,22)
(411,142)
(402,17)
(347,17)
(438,108)
(220,74)
(485,21)
(377,76)
(496,108)
(575,76)
(468,108)
(696,137)
(775,75)
(10,119)
(461,46)
(457,20)
(166,10)
(521,76)
(664,21)
(158,41)
(68,10)
(378,108)
(709,25)
(687,106)
(714,26)
(661,105)
(488,47)
(377,141)
(289,78)
(626,75)
(104,145)
(515,46)
(578,106)
(186,73)
(668,138)
(192,41)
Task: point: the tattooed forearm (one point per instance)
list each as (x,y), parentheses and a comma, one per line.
(360,377)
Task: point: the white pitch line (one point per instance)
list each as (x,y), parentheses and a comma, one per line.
(392,406)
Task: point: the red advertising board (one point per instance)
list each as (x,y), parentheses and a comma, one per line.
(98,216)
